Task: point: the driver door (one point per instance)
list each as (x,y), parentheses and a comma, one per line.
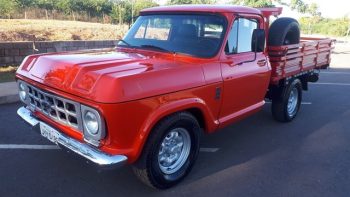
(246,74)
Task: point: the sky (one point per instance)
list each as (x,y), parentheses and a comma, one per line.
(328,8)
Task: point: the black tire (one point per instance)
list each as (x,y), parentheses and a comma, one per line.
(284,31)
(279,107)
(148,169)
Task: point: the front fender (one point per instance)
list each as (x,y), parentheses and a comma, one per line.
(168,108)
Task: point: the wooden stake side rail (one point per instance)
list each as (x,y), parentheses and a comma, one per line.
(309,54)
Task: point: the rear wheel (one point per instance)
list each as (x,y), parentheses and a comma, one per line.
(170,151)
(286,105)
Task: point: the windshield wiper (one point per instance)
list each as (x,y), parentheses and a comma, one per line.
(145,46)
(125,42)
(155,47)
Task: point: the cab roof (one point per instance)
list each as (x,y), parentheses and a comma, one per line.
(203,8)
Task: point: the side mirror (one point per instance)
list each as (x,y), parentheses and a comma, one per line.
(258,40)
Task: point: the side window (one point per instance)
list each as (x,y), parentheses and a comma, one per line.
(231,46)
(240,36)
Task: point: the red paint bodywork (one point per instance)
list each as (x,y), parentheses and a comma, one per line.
(133,89)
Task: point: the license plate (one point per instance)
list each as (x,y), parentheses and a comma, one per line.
(49,132)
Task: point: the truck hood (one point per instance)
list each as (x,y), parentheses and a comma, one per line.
(111,76)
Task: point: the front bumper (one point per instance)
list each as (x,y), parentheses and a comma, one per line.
(88,152)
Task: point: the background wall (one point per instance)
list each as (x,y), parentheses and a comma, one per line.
(13,53)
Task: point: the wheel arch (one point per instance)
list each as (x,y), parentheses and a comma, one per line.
(281,99)
(195,106)
(198,114)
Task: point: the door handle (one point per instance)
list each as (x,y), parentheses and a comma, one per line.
(261,62)
(232,64)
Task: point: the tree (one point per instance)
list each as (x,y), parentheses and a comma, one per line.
(64,6)
(142,4)
(124,11)
(46,5)
(118,11)
(179,2)
(25,4)
(298,5)
(254,3)
(69,6)
(313,10)
(7,7)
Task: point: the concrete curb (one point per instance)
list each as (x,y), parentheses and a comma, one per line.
(8,93)
(9,99)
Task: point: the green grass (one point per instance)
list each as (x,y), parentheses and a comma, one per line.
(7,74)
(324,26)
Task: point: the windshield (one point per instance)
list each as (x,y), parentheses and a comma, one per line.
(196,34)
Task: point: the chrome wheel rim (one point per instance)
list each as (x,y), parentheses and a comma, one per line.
(174,150)
(293,101)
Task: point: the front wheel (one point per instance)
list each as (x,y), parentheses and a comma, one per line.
(286,106)
(170,151)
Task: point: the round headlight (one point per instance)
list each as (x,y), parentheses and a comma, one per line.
(91,122)
(22,91)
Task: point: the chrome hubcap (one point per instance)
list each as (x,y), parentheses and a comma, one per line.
(174,150)
(293,101)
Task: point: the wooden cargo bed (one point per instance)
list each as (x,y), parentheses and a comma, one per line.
(309,54)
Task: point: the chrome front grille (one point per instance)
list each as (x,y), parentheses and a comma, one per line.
(61,110)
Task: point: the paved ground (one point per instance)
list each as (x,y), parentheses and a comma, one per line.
(8,92)
(256,157)
(340,56)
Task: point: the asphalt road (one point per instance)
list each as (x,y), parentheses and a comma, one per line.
(256,157)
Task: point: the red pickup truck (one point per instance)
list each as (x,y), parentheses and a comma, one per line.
(180,71)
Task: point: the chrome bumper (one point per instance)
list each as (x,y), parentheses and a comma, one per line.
(88,152)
